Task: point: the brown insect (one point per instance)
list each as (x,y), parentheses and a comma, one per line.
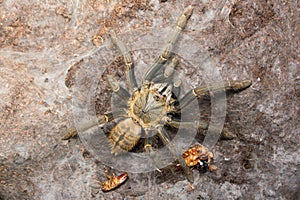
(155,104)
(200,157)
(113,181)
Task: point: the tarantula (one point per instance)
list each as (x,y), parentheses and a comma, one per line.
(155,104)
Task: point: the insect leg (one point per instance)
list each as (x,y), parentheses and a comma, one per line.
(130,77)
(167,52)
(203,90)
(164,136)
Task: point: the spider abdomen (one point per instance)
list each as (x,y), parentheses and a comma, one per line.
(124,136)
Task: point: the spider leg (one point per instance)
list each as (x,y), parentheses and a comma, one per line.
(167,52)
(148,142)
(176,86)
(120,91)
(131,81)
(102,120)
(225,134)
(164,136)
(170,68)
(202,91)
(149,149)
(168,72)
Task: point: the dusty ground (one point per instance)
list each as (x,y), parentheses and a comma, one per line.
(43,44)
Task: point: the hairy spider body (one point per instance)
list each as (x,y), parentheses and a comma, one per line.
(124,136)
(156,102)
(149,107)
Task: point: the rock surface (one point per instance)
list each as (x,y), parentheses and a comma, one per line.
(43,44)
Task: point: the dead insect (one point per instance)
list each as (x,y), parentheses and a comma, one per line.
(113,181)
(156,103)
(199,157)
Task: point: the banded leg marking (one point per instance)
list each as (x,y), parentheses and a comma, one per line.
(130,77)
(202,91)
(167,52)
(102,120)
(114,84)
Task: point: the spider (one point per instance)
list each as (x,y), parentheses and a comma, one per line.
(156,103)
